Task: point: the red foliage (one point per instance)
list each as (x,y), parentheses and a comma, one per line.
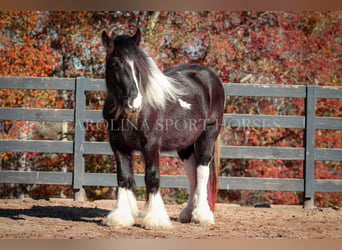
(247,47)
(25,49)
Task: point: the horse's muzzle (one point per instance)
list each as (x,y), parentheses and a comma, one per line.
(134,106)
(132,110)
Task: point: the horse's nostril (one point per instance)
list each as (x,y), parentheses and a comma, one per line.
(132,110)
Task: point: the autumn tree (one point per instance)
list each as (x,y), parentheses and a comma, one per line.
(243,47)
(25,51)
(260,47)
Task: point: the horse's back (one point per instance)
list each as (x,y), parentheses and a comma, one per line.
(201,104)
(194,71)
(200,80)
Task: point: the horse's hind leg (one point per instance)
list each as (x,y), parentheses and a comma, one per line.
(190,165)
(205,172)
(125,208)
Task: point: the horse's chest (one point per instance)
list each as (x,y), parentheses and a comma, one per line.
(127,137)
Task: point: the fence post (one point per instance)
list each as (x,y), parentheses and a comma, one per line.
(80,106)
(309,145)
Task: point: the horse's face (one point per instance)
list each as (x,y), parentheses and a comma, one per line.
(122,77)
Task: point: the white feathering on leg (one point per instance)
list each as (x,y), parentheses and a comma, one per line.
(124,210)
(202,213)
(155,214)
(133,203)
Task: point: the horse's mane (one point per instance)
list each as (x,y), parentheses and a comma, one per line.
(156,87)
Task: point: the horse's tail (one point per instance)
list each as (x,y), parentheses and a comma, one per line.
(213,175)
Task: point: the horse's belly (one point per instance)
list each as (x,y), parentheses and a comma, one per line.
(181,134)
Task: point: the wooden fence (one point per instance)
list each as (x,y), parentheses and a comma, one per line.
(79,147)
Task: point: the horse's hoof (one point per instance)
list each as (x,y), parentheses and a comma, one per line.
(185,215)
(203,216)
(151,221)
(118,219)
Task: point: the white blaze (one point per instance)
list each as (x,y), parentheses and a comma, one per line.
(137,102)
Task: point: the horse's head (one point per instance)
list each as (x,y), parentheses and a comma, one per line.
(122,76)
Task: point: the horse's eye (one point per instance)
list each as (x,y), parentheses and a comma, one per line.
(115,62)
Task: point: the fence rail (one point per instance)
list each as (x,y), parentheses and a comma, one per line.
(79,147)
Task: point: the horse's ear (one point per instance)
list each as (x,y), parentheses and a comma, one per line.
(137,37)
(108,42)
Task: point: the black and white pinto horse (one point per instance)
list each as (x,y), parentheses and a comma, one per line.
(151,111)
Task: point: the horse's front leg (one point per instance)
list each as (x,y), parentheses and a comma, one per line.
(125,209)
(155,215)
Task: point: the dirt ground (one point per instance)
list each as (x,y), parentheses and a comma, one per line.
(67,219)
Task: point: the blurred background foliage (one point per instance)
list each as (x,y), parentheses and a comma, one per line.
(295,48)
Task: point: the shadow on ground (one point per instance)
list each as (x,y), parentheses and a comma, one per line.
(92,215)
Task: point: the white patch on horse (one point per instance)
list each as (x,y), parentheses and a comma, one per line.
(202,213)
(184,104)
(132,203)
(124,210)
(155,215)
(137,102)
